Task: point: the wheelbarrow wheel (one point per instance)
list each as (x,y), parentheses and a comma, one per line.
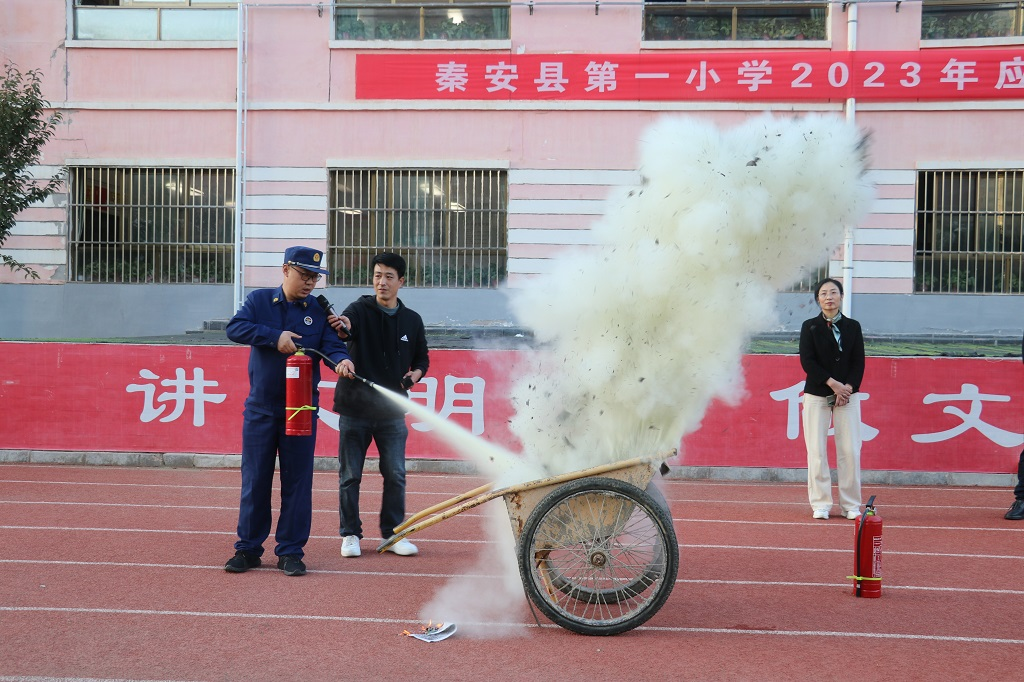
(598,556)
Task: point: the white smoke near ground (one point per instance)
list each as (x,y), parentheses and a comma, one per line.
(646,327)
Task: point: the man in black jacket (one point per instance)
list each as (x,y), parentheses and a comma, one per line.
(832,355)
(388,346)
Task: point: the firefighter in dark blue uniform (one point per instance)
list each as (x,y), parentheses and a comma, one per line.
(274,322)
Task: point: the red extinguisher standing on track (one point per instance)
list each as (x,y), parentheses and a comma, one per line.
(867,554)
(298,383)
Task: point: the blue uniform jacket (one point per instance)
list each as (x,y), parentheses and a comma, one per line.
(259,323)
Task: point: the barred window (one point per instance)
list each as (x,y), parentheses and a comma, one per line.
(451,226)
(970,232)
(805,285)
(966,19)
(161,225)
(735,20)
(416,20)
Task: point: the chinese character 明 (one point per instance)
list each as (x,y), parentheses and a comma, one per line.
(451,77)
(551,79)
(501,76)
(456,401)
(601,77)
(704,74)
(970,420)
(179,395)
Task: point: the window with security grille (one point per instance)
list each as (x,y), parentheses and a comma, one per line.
(151,225)
(969,19)
(451,226)
(806,283)
(970,232)
(729,20)
(417,20)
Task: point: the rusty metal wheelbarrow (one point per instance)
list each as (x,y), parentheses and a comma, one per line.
(596,548)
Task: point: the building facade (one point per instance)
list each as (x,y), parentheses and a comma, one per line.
(480,139)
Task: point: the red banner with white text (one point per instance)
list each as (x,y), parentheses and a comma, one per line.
(919,414)
(750,75)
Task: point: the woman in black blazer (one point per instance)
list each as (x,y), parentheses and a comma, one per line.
(832,355)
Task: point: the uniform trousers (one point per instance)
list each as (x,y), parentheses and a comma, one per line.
(263,442)
(817,414)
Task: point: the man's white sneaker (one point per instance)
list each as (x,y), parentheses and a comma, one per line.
(350,546)
(852,514)
(404,548)
(821,514)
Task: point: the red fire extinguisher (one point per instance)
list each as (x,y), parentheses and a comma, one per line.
(867,554)
(298,383)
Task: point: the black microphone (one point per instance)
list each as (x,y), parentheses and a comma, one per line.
(329,309)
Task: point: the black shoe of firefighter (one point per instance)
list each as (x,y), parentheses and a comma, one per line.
(1016,511)
(291,565)
(242,562)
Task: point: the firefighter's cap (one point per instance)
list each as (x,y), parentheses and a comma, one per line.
(306,258)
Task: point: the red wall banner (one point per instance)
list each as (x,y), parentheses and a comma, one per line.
(919,414)
(751,75)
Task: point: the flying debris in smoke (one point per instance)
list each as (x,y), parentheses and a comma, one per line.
(645,329)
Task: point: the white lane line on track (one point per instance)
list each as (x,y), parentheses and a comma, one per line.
(492,542)
(494,576)
(890,525)
(399,621)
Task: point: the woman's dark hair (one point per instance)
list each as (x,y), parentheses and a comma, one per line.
(819,285)
(390,260)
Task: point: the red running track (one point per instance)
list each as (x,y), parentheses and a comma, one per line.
(117,573)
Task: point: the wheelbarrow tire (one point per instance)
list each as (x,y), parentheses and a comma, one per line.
(599,556)
(640,582)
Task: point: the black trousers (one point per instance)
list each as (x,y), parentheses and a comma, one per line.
(1018,490)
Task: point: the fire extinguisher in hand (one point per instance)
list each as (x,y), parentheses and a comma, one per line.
(298,395)
(867,554)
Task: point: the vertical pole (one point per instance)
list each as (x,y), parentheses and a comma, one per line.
(851,118)
(240,137)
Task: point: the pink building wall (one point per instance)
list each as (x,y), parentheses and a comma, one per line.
(151,104)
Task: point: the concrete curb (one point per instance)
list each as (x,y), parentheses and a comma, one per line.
(185,460)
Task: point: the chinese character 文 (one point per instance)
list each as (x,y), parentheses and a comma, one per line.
(969,420)
(792,395)
(451,77)
(179,395)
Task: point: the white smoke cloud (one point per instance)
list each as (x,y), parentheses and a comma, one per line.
(642,331)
